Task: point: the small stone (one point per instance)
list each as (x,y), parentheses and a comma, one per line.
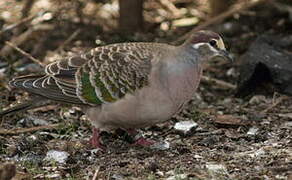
(185,127)
(58,156)
(252,131)
(220,113)
(257,153)
(178,176)
(171,172)
(257,99)
(118,177)
(37,121)
(198,156)
(287,125)
(53,176)
(227,101)
(93,151)
(216,168)
(280,177)
(161,145)
(231,72)
(32,137)
(159,173)
(288,115)
(2,73)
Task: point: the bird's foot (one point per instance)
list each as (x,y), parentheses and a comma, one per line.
(95,140)
(144,142)
(139,139)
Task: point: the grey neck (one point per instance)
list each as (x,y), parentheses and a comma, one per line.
(189,55)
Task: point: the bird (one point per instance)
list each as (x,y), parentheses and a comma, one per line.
(127,85)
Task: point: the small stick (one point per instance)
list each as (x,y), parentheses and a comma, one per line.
(218,82)
(22,21)
(217,19)
(27,130)
(216,132)
(27,7)
(95,174)
(170,6)
(281,99)
(25,53)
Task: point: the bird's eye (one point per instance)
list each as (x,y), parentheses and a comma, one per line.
(213,43)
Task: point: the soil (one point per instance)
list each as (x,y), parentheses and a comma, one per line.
(236,138)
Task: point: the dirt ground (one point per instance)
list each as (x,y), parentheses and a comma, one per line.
(236,138)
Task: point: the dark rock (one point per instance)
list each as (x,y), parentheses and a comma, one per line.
(267,61)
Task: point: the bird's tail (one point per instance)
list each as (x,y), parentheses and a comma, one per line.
(47,87)
(26,83)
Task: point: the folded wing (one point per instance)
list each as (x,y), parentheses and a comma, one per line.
(103,75)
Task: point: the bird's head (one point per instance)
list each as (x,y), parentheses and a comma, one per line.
(208,45)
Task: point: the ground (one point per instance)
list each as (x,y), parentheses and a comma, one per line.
(236,138)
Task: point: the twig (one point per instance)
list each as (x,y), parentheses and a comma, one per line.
(23,37)
(22,21)
(217,19)
(27,7)
(16,40)
(215,132)
(95,174)
(69,39)
(281,99)
(170,6)
(25,53)
(27,130)
(218,82)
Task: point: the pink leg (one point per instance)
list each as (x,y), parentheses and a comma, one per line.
(139,139)
(95,140)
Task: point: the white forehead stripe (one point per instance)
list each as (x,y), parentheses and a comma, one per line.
(198,45)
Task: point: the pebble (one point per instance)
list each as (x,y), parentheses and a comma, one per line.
(257,99)
(216,168)
(58,156)
(257,153)
(252,131)
(161,145)
(287,125)
(178,176)
(185,127)
(118,177)
(288,115)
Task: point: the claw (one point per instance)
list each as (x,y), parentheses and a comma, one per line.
(139,139)
(95,140)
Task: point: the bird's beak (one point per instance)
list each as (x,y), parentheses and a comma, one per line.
(226,55)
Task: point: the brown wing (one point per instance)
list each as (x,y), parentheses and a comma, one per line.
(105,74)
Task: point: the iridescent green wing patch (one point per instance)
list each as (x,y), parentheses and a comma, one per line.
(102,87)
(86,92)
